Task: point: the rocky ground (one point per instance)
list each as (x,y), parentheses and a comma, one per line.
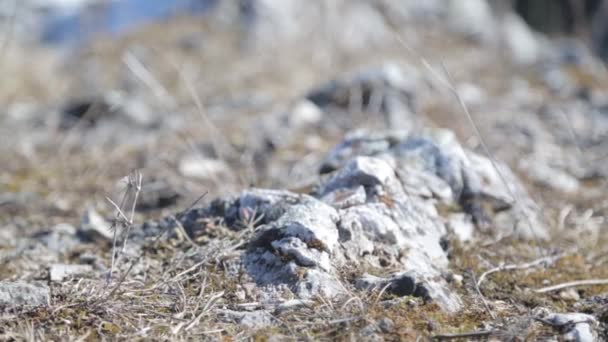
(412,172)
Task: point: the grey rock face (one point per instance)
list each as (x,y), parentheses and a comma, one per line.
(14,294)
(377,209)
(434,165)
(577,327)
(304,242)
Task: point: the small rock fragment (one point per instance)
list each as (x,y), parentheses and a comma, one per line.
(94,226)
(576,326)
(462,225)
(202,168)
(60,238)
(19,293)
(249,319)
(304,113)
(61,271)
(156,195)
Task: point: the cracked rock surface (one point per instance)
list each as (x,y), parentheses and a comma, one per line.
(378,208)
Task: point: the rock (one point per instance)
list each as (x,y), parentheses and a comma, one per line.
(249,319)
(157,194)
(304,113)
(304,237)
(134,108)
(386,325)
(202,168)
(344,198)
(303,242)
(61,271)
(570,294)
(93,226)
(543,174)
(432,164)
(86,113)
(377,209)
(60,238)
(400,285)
(462,225)
(577,327)
(473,18)
(523,44)
(389,89)
(18,294)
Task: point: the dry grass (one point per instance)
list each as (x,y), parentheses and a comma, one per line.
(178,287)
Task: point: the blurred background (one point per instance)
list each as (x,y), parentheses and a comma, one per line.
(210,95)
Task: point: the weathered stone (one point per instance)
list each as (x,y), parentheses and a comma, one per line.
(577,327)
(60,238)
(61,271)
(19,293)
(93,226)
(434,165)
(389,90)
(252,320)
(202,168)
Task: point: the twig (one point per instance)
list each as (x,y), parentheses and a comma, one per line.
(483,298)
(344,320)
(472,334)
(143,252)
(135,181)
(183,231)
(534,263)
(146,77)
(114,228)
(214,298)
(576,283)
(119,211)
(384,288)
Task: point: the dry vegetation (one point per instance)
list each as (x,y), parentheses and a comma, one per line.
(177,286)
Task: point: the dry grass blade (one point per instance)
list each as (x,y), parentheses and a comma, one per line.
(212,300)
(544,261)
(467,335)
(147,78)
(483,298)
(134,182)
(134,185)
(588,282)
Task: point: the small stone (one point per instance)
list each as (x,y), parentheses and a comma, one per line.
(157,195)
(61,271)
(94,226)
(578,327)
(462,225)
(570,294)
(457,279)
(254,319)
(304,113)
(19,293)
(202,168)
(386,325)
(60,238)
